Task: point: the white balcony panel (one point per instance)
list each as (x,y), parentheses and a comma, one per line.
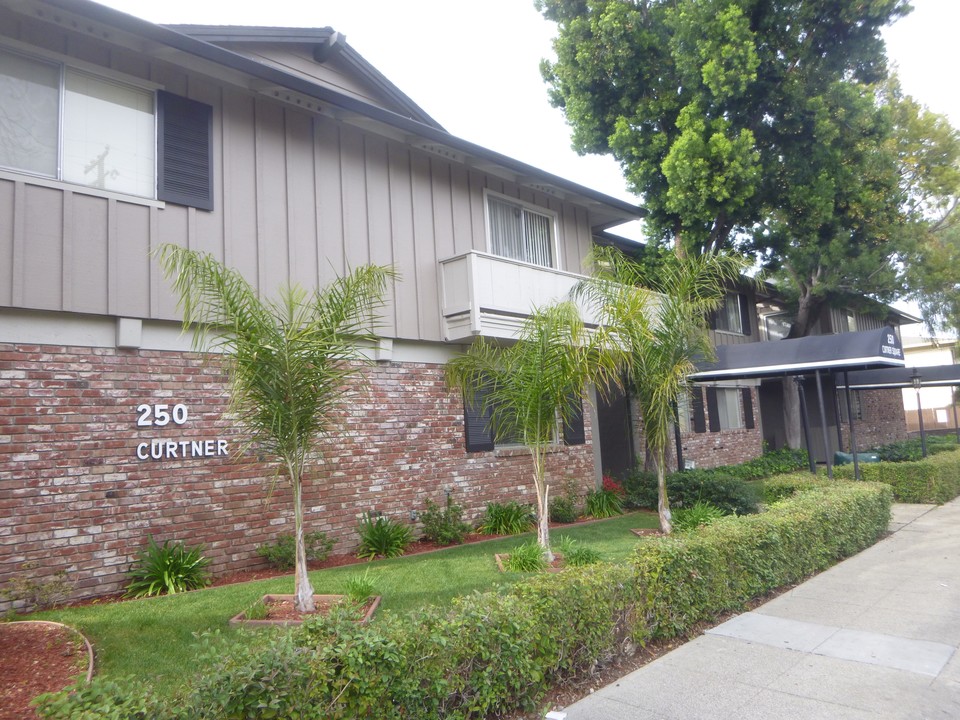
(491,296)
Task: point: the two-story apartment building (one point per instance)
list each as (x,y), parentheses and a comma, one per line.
(286,155)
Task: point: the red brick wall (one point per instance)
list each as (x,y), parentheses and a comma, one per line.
(882,419)
(74,495)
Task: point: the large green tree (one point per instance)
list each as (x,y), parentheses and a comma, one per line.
(291,361)
(659,320)
(531,385)
(750,124)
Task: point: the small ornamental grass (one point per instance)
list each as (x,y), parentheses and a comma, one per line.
(382,537)
(699,515)
(360,588)
(167,569)
(510,518)
(604,503)
(527,557)
(575,554)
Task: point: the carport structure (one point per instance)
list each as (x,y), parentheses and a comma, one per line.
(900,378)
(816,357)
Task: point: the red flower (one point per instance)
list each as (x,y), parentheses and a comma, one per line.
(611,485)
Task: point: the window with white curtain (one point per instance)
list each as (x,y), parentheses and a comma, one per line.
(728,408)
(59,122)
(519,232)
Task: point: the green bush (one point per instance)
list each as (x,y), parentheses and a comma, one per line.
(167,569)
(603,503)
(684,489)
(563,510)
(700,514)
(510,518)
(282,552)
(102,699)
(446,526)
(783,486)
(527,557)
(575,554)
(496,653)
(29,590)
(360,588)
(691,577)
(910,450)
(935,479)
(382,537)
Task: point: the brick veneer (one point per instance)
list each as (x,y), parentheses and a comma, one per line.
(882,419)
(75,496)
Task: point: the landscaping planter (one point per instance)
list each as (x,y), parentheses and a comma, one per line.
(289,616)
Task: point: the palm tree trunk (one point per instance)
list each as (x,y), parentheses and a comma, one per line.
(303,590)
(663,502)
(543,507)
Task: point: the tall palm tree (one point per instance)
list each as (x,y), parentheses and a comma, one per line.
(290,360)
(535,383)
(660,319)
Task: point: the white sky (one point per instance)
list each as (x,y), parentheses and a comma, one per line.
(474,66)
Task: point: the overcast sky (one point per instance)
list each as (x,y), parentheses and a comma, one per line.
(474,66)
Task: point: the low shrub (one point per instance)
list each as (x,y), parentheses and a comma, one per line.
(911,450)
(604,503)
(576,554)
(935,479)
(684,489)
(495,653)
(510,518)
(104,699)
(282,552)
(445,526)
(527,557)
(700,514)
(382,537)
(167,569)
(563,509)
(29,590)
(783,486)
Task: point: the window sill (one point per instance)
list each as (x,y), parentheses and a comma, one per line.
(28,179)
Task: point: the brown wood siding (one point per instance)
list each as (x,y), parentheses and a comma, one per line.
(297,197)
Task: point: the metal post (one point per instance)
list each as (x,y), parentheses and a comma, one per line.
(823,426)
(806,422)
(839,414)
(853,433)
(918,385)
(953,402)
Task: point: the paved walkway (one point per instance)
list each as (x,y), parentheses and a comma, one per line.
(873,637)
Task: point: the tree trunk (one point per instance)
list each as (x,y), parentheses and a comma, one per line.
(791,414)
(663,502)
(303,590)
(543,505)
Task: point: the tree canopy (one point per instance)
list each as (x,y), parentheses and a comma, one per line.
(748,124)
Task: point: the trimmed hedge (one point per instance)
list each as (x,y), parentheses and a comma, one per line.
(498,652)
(935,479)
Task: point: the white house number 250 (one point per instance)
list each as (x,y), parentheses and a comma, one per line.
(161,414)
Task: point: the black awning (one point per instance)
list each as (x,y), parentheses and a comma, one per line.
(902,377)
(844,351)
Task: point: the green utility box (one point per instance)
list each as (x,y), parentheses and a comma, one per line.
(842,458)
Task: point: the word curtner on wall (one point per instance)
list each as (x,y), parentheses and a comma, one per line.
(162,415)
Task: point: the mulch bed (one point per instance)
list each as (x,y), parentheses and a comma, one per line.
(36,658)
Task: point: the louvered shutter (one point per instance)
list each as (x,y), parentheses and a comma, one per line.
(744,314)
(747,396)
(573,430)
(713,409)
(699,417)
(478,428)
(184,151)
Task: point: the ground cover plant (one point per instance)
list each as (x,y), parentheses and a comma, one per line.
(490,653)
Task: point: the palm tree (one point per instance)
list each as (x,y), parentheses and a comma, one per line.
(534,384)
(660,319)
(291,360)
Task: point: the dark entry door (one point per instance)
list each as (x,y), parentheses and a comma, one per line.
(616,444)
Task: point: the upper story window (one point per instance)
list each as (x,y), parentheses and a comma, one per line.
(734,315)
(520,232)
(67,124)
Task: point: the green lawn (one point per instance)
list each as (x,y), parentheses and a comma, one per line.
(154,639)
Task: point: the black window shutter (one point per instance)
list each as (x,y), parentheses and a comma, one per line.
(478,428)
(747,408)
(573,430)
(699,418)
(184,151)
(744,314)
(713,409)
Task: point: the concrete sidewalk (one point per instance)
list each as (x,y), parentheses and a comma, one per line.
(873,637)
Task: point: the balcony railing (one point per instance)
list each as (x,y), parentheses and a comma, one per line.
(490,296)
